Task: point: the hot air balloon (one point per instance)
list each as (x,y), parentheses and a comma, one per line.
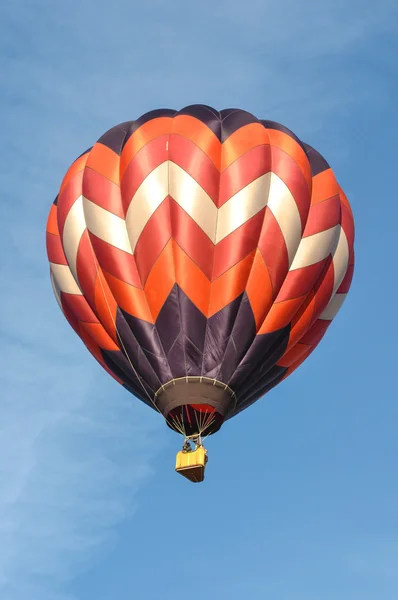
(201,257)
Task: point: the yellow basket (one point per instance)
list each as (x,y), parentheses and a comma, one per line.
(192,464)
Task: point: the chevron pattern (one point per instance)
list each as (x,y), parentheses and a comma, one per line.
(200,243)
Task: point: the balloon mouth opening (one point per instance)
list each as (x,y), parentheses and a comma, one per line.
(195,405)
(194,419)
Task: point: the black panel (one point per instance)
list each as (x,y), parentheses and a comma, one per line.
(266,383)
(317,162)
(114,138)
(168,321)
(263,354)
(193,321)
(242,337)
(181,327)
(283,129)
(155,114)
(219,329)
(137,355)
(233,119)
(147,338)
(144,398)
(120,367)
(208,115)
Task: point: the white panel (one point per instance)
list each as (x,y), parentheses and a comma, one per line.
(149,196)
(64,279)
(242,206)
(284,208)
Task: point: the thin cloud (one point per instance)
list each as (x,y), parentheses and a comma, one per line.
(72,458)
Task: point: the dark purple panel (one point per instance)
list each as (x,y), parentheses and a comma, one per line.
(114,138)
(233,119)
(219,328)
(317,162)
(181,328)
(153,375)
(283,129)
(193,357)
(56,200)
(148,339)
(208,115)
(155,114)
(269,381)
(262,355)
(176,357)
(193,322)
(144,398)
(242,335)
(120,367)
(117,137)
(256,386)
(168,322)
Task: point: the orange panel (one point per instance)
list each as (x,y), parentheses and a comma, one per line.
(129,298)
(345,201)
(230,284)
(299,361)
(191,279)
(259,289)
(196,131)
(324,186)
(73,170)
(281,314)
(293,355)
(293,149)
(144,134)
(90,343)
(96,333)
(302,322)
(160,280)
(105,305)
(203,408)
(52,223)
(241,141)
(105,161)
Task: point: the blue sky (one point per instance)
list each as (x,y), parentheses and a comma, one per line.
(301,492)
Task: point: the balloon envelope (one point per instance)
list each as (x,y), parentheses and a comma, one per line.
(200,256)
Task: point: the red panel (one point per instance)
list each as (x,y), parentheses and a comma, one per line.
(191,238)
(194,161)
(203,408)
(153,154)
(323,216)
(79,307)
(152,240)
(87,267)
(118,263)
(301,281)
(55,251)
(288,170)
(244,170)
(67,198)
(237,245)
(273,249)
(102,192)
